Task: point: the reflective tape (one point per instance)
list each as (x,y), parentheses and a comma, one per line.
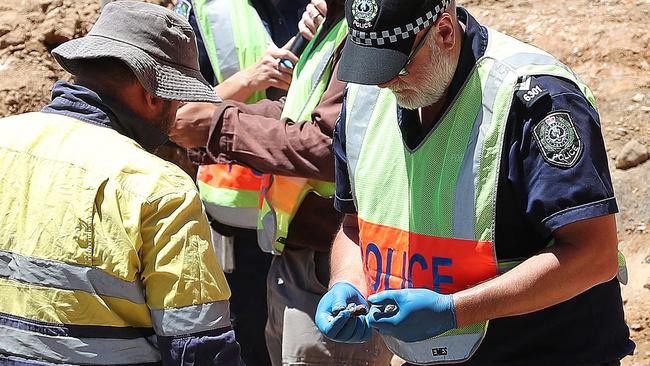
(356,125)
(83,351)
(191,319)
(73,330)
(318,74)
(66,276)
(233,216)
(468,180)
(442,349)
(220,23)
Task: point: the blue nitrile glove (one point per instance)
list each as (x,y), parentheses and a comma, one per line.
(337,323)
(420,314)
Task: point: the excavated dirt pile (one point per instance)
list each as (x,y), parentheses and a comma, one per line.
(607,42)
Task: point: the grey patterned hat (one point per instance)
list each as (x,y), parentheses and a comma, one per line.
(383,31)
(157,44)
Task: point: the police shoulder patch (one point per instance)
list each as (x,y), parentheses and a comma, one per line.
(558,139)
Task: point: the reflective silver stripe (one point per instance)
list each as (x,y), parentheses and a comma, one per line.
(457,348)
(356,126)
(266,235)
(80,351)
(465,203)
(467,186)
(48,273)
(526,59)
(317,76)
(320,68)
(191,319)
(233,216)
(218,13)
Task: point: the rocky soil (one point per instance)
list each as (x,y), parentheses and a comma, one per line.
(607,42)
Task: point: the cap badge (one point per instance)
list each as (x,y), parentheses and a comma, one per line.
(363,13)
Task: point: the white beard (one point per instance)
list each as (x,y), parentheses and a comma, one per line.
(431,83)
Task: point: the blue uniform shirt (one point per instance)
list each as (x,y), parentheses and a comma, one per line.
(534,198)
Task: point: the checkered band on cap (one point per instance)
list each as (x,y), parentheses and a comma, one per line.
(399,33)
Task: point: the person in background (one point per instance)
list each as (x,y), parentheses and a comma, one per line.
(105,254)
(479,206)
(237,52)
(290,142)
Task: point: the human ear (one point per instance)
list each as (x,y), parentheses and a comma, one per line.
(445,35)
(151,101)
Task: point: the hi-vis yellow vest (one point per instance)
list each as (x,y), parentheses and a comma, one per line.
(427,215)
(282,196)
(102,245)
(235,39)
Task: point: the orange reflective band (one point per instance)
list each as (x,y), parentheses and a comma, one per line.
(284,193)
(231,176)
(396,259)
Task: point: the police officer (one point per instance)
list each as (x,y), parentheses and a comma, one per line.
(105,254)
(480,210)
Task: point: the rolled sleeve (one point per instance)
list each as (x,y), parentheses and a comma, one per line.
(553,196)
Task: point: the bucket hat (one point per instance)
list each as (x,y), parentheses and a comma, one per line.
(158,45)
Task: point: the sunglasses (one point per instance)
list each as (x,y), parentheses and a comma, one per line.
(404,71)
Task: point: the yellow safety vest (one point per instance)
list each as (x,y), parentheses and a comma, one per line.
(101,246)
(235,39)
(282,196)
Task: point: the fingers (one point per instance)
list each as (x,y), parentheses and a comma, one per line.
(306,26)
(281,78)
(377,316)
(269,72)
(385,297)
(345,327)
(282,53)
(314,12)
(331,326)
(289,43)
(321,6)
(355,330)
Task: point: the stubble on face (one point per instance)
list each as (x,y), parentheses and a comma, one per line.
(167,116)
(428,79)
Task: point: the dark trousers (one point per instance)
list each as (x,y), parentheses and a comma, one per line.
(248,310)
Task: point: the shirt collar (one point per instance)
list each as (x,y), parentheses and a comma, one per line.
(81,103)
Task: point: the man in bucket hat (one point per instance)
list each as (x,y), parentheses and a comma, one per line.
(473,173)
(105,254)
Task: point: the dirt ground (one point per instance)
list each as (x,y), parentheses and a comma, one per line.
(607,42)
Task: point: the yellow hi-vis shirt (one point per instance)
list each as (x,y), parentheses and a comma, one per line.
(101,245)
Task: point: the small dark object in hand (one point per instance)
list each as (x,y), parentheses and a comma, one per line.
(390,308)
(358,310)
(354,309)
(386,309)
